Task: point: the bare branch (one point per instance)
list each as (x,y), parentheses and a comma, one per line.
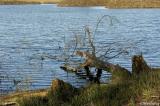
(90,40)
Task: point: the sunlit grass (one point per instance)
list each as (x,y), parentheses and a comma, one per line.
(83,3)
(131,92)
(133,4)
(113,3)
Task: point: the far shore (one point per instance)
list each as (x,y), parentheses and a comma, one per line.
(112,4)
(28,3)
(117,4)
(23,2)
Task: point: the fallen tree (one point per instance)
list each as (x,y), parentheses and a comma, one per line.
(97,54)
(93,61)
(118,73)
(98,58)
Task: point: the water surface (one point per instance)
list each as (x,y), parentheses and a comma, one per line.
(29,31)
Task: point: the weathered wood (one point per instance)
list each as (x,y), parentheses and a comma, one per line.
(93,61)
(83,73)
(69,68)
(139,65)
(118,73)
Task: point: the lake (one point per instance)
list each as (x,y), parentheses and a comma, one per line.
(29,31)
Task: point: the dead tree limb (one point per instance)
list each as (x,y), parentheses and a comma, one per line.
(119,73)
(93,61)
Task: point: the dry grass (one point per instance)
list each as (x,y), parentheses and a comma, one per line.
(82,3)
(133,4)
(113,3)
(11,98)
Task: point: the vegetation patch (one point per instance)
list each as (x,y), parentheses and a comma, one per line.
(133,4)
(138,89)
(113,3)
(82,3)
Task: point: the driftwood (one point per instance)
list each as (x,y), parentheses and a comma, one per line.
(93,61)
(69,68)
(118,73)
(84,73)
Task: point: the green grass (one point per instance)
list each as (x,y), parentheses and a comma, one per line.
(130,92)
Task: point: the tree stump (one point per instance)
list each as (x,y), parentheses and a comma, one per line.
(139,65)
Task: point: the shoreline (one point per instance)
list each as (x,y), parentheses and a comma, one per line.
(11,98)
(23,2)
(31,4)
(122,4)
(79,6)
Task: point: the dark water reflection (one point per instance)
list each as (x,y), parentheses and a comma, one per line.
(29,31)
